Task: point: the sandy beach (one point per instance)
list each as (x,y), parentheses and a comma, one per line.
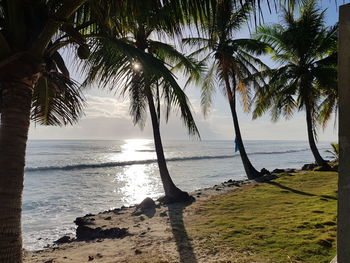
(233,222)
(236,221)
(157,234)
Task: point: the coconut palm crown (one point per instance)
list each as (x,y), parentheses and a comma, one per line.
(131,59)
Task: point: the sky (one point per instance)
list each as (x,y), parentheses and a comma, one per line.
(107,115)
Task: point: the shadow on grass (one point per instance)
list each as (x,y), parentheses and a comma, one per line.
(298,191)
(183,242)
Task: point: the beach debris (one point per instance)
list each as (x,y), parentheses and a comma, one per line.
(108,218)
(91,258)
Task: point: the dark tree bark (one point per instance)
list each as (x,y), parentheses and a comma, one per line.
(251,172)
(309,122)
(15,119)
(172,193)
(343,222)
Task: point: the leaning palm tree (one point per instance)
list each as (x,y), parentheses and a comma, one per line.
(232,61)
(34,84)
(130,59)
(304,48)
(30,89)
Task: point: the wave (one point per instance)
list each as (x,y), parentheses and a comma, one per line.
(149,161)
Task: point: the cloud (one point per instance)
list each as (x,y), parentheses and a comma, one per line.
(107,117)
(105,107)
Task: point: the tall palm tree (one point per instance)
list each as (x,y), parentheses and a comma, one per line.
(30,34)
(34,83)
(130,59)
(232,61)
(304,48)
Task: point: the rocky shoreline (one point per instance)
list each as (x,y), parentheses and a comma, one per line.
(134,230)
(100,226)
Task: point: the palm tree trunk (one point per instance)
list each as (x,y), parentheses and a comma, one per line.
(318,158)
(172,193)
(15,115)
(343,222)
(251,172)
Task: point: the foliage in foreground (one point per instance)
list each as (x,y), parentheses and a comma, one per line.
(291,219)
(334,151)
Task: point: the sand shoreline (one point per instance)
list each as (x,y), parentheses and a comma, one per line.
(127,234)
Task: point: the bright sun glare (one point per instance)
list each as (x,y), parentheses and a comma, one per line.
(138,180)
(136,66)
(134,145)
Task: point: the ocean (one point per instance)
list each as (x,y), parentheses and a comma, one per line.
(65,179)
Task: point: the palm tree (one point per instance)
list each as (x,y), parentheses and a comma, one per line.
(30,34)
(34,83)
(232,60)
(304,48)
(130,60)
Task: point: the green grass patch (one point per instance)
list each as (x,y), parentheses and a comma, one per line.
(290,219)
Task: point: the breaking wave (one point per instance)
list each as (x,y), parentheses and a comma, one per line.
(149,161)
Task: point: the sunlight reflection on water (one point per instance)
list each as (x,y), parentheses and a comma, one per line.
(137,182)
(54,198)
(133,149)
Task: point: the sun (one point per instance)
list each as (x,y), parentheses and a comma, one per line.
(136,66)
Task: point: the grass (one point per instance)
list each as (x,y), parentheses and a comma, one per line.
(290,219)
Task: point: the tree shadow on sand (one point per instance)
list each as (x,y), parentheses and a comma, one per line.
(183,242)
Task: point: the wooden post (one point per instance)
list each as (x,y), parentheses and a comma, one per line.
(343,229)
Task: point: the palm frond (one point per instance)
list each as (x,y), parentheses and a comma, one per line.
(57,100)
(112,65)
(176,99)
(208,89)
(138,105)
(191,68)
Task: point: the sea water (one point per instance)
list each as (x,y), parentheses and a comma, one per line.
(67,179)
